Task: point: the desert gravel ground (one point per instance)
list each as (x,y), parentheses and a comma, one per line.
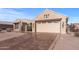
(29,41)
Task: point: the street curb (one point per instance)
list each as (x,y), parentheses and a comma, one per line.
(54,42)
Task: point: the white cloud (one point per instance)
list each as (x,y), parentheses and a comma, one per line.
(9,14)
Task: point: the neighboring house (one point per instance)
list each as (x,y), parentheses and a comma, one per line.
(74,27)
(48,21)
(7,26)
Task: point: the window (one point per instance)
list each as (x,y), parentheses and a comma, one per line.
(29,27)
(16,26)
(46,16)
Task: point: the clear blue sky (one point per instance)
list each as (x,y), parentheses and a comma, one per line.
(11,14)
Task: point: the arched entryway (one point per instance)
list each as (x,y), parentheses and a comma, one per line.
(26,27)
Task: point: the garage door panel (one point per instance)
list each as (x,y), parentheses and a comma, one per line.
(48,27)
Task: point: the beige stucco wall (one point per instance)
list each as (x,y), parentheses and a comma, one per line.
(20,21)
(17,30)
(63,29)
(53,15)
(33,26)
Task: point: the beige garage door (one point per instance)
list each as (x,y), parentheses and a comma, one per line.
(50,27)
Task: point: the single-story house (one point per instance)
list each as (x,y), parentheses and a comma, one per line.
(22,25)
(7,26)
(47,21)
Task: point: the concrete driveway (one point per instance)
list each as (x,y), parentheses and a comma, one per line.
(67,42)
(28,41)
(8,35)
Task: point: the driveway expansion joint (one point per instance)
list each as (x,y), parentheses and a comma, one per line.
(54,42)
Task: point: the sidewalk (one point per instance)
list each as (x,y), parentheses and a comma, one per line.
(67,42)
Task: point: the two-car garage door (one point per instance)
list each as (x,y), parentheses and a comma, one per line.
(50,27)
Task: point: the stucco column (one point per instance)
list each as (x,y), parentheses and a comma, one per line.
(20,26)
(13,27)
(33,27)
(25,28)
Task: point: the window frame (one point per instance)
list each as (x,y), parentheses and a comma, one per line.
(16,25)
(46,16)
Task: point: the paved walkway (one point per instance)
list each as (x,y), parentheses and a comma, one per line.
(8,35)
(67,42)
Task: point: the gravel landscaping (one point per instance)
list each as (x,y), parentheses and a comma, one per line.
(29,41)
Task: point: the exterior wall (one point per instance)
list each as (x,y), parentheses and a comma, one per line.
(16,30)
(63,28)
(54,15)
(21,22)
(33,26)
